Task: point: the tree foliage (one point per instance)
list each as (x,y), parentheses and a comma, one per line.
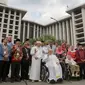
(46,38)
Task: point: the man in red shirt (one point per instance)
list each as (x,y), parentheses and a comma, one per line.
(16,60)
(80,59)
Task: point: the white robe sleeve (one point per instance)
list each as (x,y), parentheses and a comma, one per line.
(56,59)
(32,51)
(73,62)
(45,59)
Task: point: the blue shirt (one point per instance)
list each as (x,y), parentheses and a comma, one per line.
(2,52)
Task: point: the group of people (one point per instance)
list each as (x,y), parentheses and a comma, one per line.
(24,61)
(14,57)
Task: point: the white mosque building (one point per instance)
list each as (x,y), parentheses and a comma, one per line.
(70,28)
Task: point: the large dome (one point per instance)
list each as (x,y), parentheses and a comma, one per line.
(3,2)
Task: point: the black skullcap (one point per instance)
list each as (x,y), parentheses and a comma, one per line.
(17,40)
(26,40)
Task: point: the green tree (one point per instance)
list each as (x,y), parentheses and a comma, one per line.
(46,38)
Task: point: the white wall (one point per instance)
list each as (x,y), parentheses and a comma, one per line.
(3,2)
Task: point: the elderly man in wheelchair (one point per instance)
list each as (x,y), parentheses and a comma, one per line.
(51,70)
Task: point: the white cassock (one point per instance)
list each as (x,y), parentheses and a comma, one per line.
(45,50)
(53,48)
(70,62)
(54,67)
(36,63)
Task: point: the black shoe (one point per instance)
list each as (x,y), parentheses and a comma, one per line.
(0,81)
(52,81)
(12,81)
(4,80)
(17,80)
(60,80)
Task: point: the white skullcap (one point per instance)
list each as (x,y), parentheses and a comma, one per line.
(38,42)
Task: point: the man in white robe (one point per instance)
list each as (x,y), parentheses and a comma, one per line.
(36,53)
(53,65)
(45,49)
(52,46)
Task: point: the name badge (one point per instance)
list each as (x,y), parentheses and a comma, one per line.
(4,52)
(17,54)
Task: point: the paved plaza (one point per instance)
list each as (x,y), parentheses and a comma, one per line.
(82,82)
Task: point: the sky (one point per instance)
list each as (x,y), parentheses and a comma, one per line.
(40,11)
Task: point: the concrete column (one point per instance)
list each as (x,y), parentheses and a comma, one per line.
(43,31)
(2,24)
(50,30)
(47,31)
(83,17)
(28,30)
(40,31)
(53,29)
(37,31)
(74,33)
(19,30)
(64,32)
(13,33)
(71,32)
(68,34)
(34,31)
(8,23)
(56,32)
(60,36)
(23,31)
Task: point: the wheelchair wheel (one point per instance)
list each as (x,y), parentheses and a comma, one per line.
(44,73)
(67,72)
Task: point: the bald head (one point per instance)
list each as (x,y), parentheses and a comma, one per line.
(50,51)
(9,38)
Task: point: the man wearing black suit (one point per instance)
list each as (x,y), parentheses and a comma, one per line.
(25,63)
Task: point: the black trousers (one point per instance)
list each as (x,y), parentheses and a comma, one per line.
(9,64)
(63,69)
(1,69)
(82,70)
(8,67)
(15,69)
(5,69)
(24,69)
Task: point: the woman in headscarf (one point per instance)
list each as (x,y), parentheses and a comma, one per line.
(70,60)
(61,56)
(72,52)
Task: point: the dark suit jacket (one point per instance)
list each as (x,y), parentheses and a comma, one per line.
(25,54)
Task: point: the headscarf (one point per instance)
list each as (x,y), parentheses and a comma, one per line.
(59,50)
(63,46)
(71,52)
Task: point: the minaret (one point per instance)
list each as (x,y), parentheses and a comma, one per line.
(3,2)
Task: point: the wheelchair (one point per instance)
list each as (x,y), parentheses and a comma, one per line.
(44,72)
(67,72)
(65,67)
